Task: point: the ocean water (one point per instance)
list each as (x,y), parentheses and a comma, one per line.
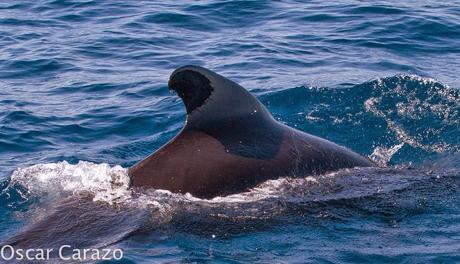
(83,96)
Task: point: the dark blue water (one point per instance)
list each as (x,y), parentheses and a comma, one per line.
(83,96)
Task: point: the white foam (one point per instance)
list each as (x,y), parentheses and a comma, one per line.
(111,184)
(382,156)
(108,183)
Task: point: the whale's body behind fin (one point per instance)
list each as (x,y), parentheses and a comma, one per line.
(230,142)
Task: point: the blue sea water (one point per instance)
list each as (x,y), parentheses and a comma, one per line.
(83,96)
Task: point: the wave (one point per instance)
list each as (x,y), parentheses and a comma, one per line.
(394,120)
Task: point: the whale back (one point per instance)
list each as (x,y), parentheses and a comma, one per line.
(230,142)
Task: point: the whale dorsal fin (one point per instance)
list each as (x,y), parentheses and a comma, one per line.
(225,110)
(209,97)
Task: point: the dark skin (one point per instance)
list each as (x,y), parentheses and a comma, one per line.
(231,143)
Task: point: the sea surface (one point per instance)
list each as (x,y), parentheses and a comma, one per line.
(83,96)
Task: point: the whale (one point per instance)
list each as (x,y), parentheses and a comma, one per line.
(230,143)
